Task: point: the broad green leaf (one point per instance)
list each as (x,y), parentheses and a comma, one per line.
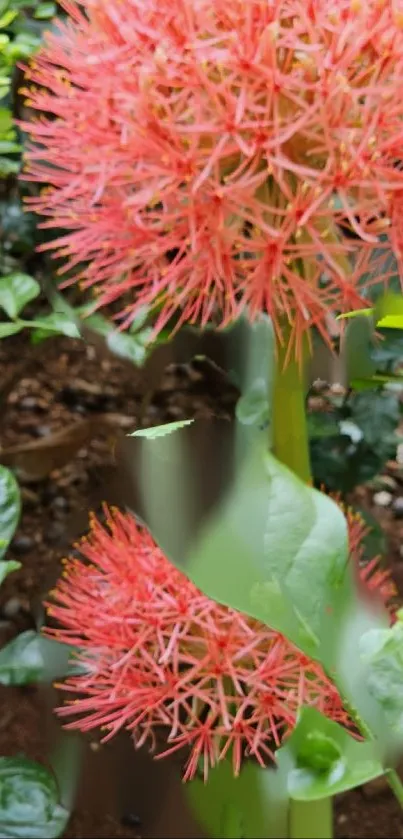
(254,804)
(30,657)
(253,407)
(7,566)
(16,290)
(56,323)
(322,424)
(10,507)
(321,759)
(391,322)
(126,345)
(7,18)
(357,344)
(6,121)
(29,801)
(98,323)
(160,430)
(377,416)
(271,547)
(383,652)
(7,329)
(275,549)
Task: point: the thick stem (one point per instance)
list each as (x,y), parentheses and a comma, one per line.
(290,431)
(311,819)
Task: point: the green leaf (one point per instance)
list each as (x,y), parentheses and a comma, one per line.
(253,407)
(382,649)
(275,549)
(125,345)
(356,314)
(377,415)
(254,804)
(7,567)
(140,319)
(6,121)
(45,11)
(7,329)
(161,430)
(388,312)
(357,344)
(7,18)
(56,323)
(9,147)
(10,507)
(33,658)
(29,801)
(322,759)
(322,424)
(16,290)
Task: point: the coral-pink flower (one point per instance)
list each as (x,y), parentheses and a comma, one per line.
(207,155)
(161,657)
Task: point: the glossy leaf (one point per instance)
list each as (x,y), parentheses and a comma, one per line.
(16,290)
(7,329)
(56,323)
(376,415)
(254,804)
(321,759)
(126,345)
(29,801)
(7,566)
(383,652)
(10,507)
(30,657)
(281,545)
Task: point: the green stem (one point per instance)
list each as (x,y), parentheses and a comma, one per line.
(311,819)
(396,785)
(290,430)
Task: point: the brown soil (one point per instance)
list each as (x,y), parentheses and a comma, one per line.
(44,389)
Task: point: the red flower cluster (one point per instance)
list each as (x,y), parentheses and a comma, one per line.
(159,654)
(205,155)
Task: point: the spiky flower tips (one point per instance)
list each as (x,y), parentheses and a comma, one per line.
(208,155)
(160,658)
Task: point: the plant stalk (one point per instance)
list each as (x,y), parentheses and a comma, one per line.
(313,819)
(290,429)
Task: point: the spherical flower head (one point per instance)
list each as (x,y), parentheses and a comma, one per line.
(207,156)
(157,655)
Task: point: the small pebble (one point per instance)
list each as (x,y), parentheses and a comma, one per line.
(13,606)
(397,507)
(385,482)
(22,544)
(42,430)
(342,818)
(32,403)
(383,498)
(60,503)
(54,533)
